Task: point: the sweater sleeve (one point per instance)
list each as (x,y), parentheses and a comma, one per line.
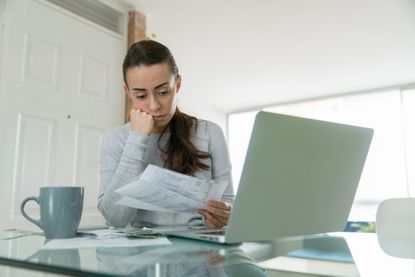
(121,162)
(221,163)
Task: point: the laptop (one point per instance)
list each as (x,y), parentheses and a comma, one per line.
(299,178)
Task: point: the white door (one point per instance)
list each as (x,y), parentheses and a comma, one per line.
(60,90)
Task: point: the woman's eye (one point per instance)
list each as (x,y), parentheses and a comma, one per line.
(163,92)
(140,97)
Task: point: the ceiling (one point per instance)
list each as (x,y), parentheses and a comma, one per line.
(239,54)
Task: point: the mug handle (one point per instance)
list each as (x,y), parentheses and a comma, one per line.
(34,221)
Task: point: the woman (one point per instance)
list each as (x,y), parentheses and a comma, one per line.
(160,134)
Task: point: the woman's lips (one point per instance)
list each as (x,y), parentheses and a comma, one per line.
(158,118)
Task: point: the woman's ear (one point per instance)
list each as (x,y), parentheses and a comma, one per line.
(127,92)
(129,104)
(178,83)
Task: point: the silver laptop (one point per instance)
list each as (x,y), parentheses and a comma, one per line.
(299,178)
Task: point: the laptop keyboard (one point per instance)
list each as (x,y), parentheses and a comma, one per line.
(215,233)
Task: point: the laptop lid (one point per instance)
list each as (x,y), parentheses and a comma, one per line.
(299,178)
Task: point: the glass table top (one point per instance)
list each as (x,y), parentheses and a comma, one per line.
(181,257)
(335,254)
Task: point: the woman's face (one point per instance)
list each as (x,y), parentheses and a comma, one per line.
(153,89)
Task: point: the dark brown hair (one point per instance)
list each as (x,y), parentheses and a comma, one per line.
(181,154)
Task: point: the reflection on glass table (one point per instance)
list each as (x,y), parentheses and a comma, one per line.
(325,255)
(334,254)
(179,258)
(10,271)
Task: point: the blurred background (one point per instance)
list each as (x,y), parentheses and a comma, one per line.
(61,83)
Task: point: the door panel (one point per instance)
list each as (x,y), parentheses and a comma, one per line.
(61,88)
(87,140)
(34,157)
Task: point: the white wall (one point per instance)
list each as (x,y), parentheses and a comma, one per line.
(239,54)
(2,6)
(189,105)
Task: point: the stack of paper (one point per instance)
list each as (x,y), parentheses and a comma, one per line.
(160,189)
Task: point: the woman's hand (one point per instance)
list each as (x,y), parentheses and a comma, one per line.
(216,213)
(141,121)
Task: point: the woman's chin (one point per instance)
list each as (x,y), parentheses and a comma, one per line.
(159,128)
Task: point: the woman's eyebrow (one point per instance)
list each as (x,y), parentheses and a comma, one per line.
(143,89)
(138,89)
(162,84)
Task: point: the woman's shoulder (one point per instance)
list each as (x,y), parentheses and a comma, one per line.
(207,129)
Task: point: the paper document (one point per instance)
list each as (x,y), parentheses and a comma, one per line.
(103,238)
(160,189)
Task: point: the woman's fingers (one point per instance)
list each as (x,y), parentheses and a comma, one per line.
(218,208)
(216,213)
(141,121)
(219,204)
(213,221)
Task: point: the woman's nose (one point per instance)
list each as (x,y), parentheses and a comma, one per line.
(154,104)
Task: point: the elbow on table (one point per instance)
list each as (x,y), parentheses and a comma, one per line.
(114,218)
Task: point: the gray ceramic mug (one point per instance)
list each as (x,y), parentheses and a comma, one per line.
(60,211)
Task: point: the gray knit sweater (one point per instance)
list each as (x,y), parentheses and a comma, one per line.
(126,153)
